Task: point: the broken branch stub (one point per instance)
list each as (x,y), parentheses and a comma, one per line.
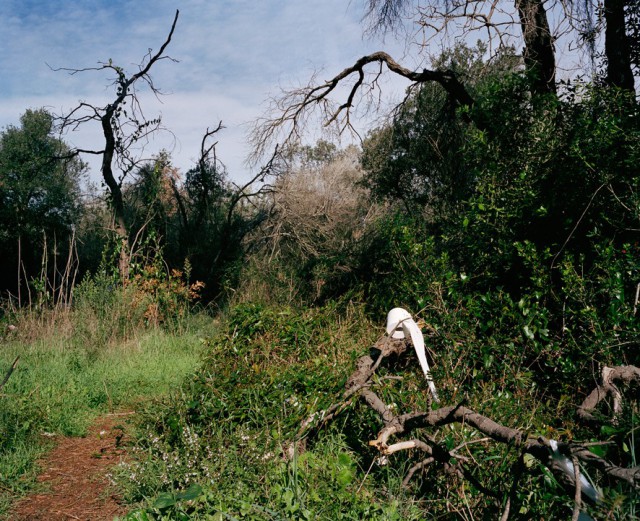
(625,375)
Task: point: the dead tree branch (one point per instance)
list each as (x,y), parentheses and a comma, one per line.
(409,431)
(9,373)
(294,107)
(124,127)
(622,375)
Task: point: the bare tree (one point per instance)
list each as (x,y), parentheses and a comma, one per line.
(496,22)
(207,187)
(317,209)
(123,125)
(581,20)
(204,182)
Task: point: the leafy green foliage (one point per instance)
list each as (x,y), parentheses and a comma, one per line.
(418,159)
(245,405)
(39,196)
(39,188)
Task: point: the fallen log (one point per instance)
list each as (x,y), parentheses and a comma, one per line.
(410,431)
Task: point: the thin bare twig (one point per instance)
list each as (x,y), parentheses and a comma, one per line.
(577,498)
(9,372)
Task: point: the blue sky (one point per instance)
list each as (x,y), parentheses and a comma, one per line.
(232,55)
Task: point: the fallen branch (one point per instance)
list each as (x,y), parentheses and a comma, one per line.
(623,374)
(408,432)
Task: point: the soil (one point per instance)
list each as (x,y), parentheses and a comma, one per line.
(75,479)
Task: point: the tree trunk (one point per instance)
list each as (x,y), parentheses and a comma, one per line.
(616,46)
(115,191)
(539,53)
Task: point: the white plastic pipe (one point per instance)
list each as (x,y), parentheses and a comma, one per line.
(567,467)
(400,324)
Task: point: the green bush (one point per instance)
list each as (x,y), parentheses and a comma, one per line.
(232,428)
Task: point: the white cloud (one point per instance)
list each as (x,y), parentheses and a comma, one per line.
(232,55)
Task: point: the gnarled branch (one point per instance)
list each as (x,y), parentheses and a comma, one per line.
(626,375)
(294,107)
(554,455)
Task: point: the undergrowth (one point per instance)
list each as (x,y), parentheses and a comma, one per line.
(228,446)
(77,363)
(225,447)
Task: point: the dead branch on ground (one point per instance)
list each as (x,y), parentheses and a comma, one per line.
(405,431)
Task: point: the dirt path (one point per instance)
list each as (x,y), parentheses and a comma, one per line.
(75,477)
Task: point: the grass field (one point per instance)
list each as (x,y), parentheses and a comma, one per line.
(63,381)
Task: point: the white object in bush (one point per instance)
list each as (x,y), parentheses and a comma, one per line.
(567,467)
(400,324)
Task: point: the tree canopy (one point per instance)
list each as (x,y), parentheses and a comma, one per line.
(40,196)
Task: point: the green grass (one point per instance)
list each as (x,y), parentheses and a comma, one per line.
(226,445)
(62,382)
(220,447)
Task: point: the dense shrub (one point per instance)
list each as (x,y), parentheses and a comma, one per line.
(231,430)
